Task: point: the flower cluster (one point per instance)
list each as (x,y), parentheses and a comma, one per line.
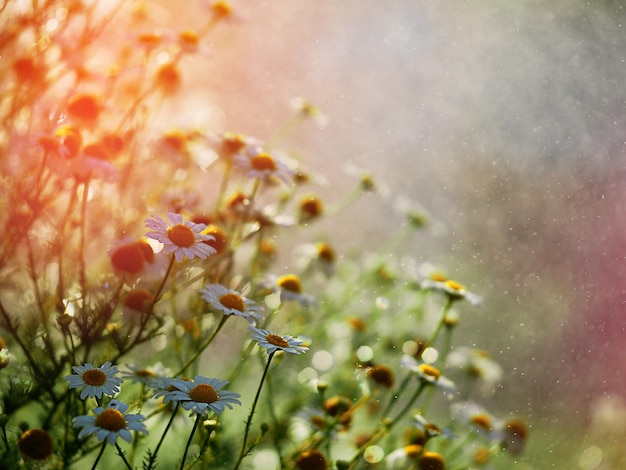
(149,276)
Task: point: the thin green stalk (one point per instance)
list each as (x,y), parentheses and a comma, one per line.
(243,452)
(193,431)
(121,454)
(95,464)
(203,346)
(167,428)
(442,320)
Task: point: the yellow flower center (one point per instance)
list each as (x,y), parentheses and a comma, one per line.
(232,301)
(325,252)
(481,420)
(431,461)
(181,235)
(111,420)
(290,282)
(263,162)
(311,207)
(277,340)
(438,277)
(203,393)
(455,286)
(144,373)
(176,140)
(189,38)
(430,371)
(221,8)
(94,377)
(413,450)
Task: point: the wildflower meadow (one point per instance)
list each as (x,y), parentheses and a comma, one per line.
(167,299)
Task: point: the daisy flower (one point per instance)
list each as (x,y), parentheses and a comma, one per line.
(184,239)
(95,380)
(202,395)
(428,374)
(273,342)
(231,302)
(290,288)
(148,376)
(110,422)
(452,289)
(259,164)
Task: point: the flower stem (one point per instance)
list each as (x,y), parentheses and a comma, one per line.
(167,428)
(442,320)
(121,454)
(193,431)
(104,443)
(203,346)
(243,452)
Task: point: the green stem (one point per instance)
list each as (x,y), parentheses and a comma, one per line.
(442,320)
(203,346)
(193,431)
(121,454)
(243,452)
(104,443)
(167,428)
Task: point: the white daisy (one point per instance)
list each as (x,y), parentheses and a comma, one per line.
(149,376)
(231,302)
(273,342)
(96,380)
(110,422)
(259,164)
(183,238)
(202,395)
(453,290)
(428,374)
(290,289)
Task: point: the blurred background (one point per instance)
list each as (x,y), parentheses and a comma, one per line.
(504,122)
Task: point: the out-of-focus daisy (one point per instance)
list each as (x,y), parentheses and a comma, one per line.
(430,429)
(316,256)
(110,422)
(202,395)
(183,238)
(476,363)
(428,374)
(231,302)
(273,342)
(95,380)
(309,208)
(290,289)
(148,376)
(429,460)
(259,164)
(452,289)
(402,458)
